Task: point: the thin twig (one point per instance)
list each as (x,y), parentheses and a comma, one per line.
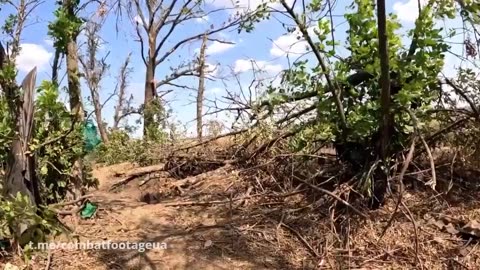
(433,182)
(400,182)
(81,198)
(335,197)
(49,259)
(415,229)
(302,239)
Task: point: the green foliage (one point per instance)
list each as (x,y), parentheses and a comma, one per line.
(155,119)
(122,148)
(9,25)
(56,159)
(6,131)
(119,149)
(18,210)
(361,103)
(66,25)
(56,146)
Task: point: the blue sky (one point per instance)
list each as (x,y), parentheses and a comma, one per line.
(267,45)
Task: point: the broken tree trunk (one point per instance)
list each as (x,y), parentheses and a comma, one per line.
(20,177)
(20,173)
(201,87)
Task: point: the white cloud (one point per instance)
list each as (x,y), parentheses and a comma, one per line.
(32,55)
(408,11)
(291,43)
(243,65)
(218,47)
(211,69)
(203,19)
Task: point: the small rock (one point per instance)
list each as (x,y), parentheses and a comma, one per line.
(207,244)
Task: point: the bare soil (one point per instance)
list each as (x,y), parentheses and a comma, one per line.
(238,229)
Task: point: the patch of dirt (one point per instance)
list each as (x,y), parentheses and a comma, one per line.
(221,219)
(197,237)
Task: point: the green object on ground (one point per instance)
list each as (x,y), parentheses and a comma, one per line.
(91,136)
(88,210)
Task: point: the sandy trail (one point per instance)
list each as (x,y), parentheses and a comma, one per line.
(195,237)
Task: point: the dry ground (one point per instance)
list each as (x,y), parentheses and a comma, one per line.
(277,231)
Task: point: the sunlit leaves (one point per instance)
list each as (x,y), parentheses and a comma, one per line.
(65,27)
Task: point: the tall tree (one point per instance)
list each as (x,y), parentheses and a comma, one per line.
(156,22)
(94,70)
(64,31)
(123,107)
(201,87)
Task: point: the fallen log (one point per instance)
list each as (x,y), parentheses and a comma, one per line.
(137,173)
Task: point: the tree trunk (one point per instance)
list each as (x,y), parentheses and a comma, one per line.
(56,60)
(201,88)
(148,121)
(74,91)
(20,173)
(121,88)
(386,123)
(98,115)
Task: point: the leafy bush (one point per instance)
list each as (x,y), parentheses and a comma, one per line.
(120,148)
(56,145)
(55,160)
(20,211)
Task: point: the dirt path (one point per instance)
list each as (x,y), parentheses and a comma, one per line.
(195,237)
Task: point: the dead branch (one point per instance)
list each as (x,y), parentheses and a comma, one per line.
(94,71)
(233,133)
(197,203)
(302,239)
(49,259)
(433,182)
(415,230)
(406,163)
(464,96)
(333,86)
(123,107)
(335,197)
(137,173)
(79,199)
(201,88)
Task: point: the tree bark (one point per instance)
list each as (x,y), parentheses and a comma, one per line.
(20,173)
(94,70)
(150,92)
(201,87)
(386,124)
(98,115)
(121,88)
(75,94)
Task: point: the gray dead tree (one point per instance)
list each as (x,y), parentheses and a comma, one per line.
(94,70)
(201,87)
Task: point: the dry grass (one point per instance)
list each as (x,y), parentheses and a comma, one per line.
(256,216)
